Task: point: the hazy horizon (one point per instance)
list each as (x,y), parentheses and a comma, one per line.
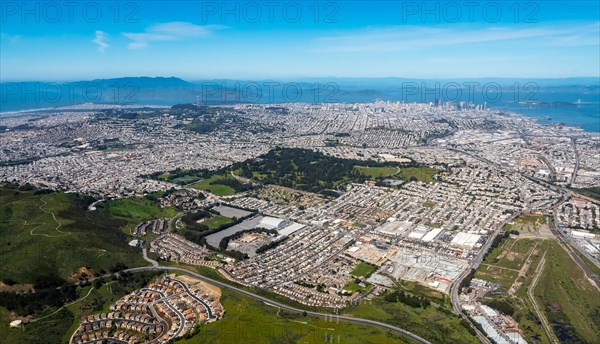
(306,78)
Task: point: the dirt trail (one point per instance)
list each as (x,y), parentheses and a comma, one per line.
(536,307)
(41,207)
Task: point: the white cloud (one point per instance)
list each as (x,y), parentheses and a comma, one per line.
(100,39)
(172,31)
(4,37)
(409,38)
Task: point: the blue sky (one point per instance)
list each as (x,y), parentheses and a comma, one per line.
(198,40)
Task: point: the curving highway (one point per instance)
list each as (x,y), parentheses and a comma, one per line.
(280,305)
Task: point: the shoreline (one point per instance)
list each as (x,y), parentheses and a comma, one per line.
(546,120)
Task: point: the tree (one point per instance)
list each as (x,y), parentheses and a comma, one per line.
(98,283)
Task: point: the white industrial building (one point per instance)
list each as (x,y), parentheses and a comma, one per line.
(466,239)
(272,223)
(419,232)
(432,234)
(394,227)
(290,228)
(583,235)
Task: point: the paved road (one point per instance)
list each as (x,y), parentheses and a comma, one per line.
(146,258)
(189,292)
(280,305)
(165,300)
(574,175)
(454,299)
(173,221)
(101,340)
(456,304)
(181,318)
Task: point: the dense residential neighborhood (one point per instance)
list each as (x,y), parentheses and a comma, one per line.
(164,310)
(387,193)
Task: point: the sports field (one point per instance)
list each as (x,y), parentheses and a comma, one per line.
(211,184)
(363,270)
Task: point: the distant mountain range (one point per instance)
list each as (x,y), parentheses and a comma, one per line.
(146,82)
(172,90)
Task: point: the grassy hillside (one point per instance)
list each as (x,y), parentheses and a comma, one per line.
(44,233)
(250,321)
(570,302)
(56,325)
(431,323)
(502,266)
(437,325)
(245,321)
(566,298)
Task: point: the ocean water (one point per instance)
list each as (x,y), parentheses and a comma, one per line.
(579,109)
(585,116)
